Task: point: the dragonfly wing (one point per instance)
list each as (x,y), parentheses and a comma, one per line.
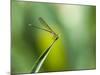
(47,27)
(45,24)
(39,28)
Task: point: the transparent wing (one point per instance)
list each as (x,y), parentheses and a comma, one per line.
(45,24)
(39,28)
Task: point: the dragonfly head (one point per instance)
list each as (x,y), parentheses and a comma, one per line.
(56,37)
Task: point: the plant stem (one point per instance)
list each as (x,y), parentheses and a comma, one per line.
(38,64)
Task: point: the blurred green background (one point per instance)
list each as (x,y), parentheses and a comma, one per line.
(74,50)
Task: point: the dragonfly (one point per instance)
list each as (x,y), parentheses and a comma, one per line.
(47,28)
(40,60)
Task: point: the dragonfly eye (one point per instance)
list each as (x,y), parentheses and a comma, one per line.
(56,37)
